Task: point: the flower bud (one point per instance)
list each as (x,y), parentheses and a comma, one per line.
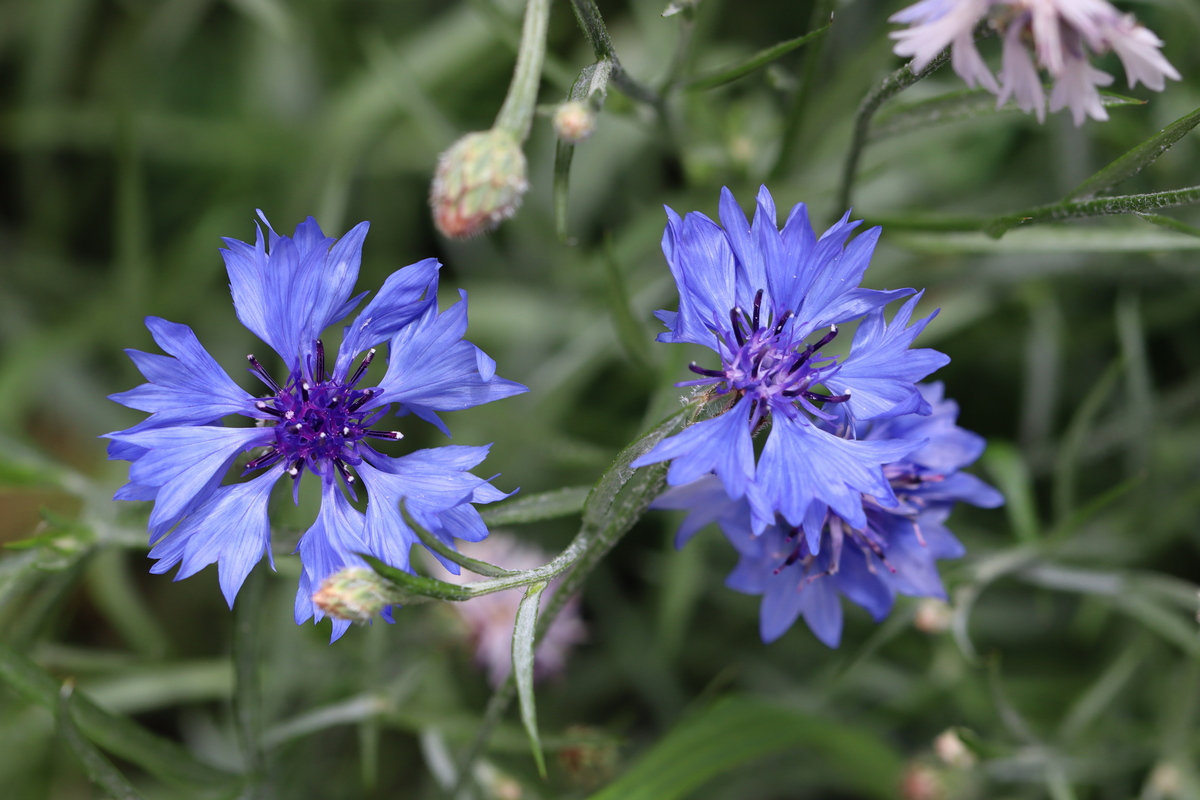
(478,183)
(353,593)
(951,750)
(574,122)
(933,616)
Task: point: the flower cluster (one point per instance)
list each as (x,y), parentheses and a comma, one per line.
(894,552)
(319,419)
(1063,34)
(767,301)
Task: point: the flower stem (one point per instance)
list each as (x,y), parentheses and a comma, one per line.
(516,115)
(891,86)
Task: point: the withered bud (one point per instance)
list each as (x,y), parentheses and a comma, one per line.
(574,122)
(479,182)
(353,593)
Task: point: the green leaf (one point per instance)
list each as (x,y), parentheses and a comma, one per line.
(739,69)
(117,734)
(1170,223)
(739,730)
(964,104)
(522,662)
(1006,466)
(1134,161)
(1078,431)
(99,769)
(444,550)
(537,507)
(412,589)
(630,333)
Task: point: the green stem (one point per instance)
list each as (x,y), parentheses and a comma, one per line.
(891,86)
(594,28)
(516,115)
(247,695)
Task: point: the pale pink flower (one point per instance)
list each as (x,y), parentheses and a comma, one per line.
(490,618)
(1064,35)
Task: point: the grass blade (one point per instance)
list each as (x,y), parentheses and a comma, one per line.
(739,69)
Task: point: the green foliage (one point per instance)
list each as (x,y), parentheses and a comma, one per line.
(1067,662)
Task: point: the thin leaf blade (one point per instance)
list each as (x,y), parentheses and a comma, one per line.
(1137,159)
(99,769)
(522,663)
(739,69)
(737,731)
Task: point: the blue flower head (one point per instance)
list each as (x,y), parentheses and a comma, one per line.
(318,419)
(893,552)
(767,301)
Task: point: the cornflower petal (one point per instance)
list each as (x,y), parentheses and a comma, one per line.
(230,529)
(881,371)
(432,368)
(184,465)
(802,464)
(405,295)
(721,445)
(188,388)
(328,546)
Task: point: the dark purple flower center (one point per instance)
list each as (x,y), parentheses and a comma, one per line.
(767,364)
(319,421)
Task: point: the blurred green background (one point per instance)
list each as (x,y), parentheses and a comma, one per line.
(135,133)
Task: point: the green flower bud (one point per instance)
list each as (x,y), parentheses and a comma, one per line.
(354,593)
(479,183)
(574,122)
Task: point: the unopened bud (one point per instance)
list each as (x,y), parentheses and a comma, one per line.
(353,593)
(921,782)
(951,750)
(574,122)
(478,184)
(933,616)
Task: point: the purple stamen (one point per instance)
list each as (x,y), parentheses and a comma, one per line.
(362,369)
(320,370)
(263,375)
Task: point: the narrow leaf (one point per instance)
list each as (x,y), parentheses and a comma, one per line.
(632,335)
(1170,223)
(412,589)
(1136,159)
(738,69)
(959,105)
(737,731)
(522,662)
(441,548)
(537,507)
(117,734)
(99,769)
(1006,466)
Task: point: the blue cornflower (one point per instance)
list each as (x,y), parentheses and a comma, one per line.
(757,295)
(894,552)
(318,419)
